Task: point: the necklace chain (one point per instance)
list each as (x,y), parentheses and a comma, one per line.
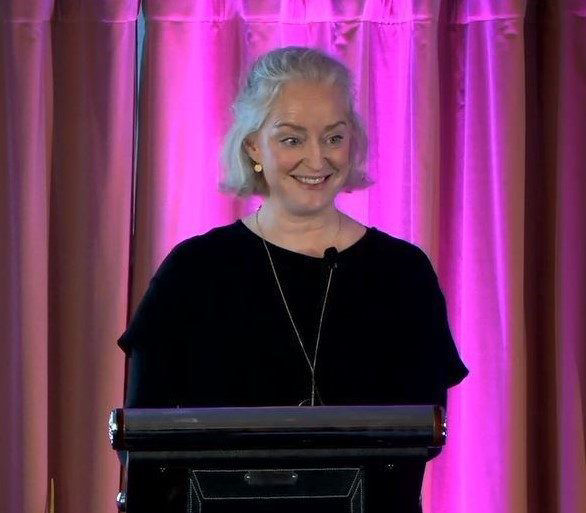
(311,365)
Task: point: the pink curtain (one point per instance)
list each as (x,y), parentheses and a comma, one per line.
(67,91)
(476,114)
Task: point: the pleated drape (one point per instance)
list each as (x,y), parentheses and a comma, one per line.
(481,255)
(476,115)
(94,53)
(570,282)
(66,154)
(25,159)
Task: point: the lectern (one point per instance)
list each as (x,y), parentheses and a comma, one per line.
(266,459)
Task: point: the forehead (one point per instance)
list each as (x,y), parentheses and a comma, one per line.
(309,103)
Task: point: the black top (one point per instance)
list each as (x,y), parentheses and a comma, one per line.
(212,329)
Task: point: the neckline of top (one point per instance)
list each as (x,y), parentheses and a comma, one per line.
(345,251)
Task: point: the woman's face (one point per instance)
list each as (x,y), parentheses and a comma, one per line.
(303,147)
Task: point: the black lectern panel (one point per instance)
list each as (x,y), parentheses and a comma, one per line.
(261,460)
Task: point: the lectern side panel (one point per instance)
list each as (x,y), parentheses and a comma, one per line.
(155,488)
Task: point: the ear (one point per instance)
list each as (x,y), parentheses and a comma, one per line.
(251,147)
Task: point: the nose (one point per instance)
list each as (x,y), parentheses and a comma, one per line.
(314,157)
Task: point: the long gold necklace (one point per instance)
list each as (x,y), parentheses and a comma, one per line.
(311,364)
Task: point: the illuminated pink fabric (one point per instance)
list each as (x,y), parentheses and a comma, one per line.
(476,113)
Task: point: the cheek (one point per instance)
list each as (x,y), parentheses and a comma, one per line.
(282,160)
(341,157)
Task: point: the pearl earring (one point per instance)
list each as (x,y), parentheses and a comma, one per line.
(257,168)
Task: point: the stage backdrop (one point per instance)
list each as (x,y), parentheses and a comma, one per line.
(476,113)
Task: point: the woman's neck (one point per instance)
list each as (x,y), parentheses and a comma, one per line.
(309,234)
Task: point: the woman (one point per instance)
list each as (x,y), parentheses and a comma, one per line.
(253,314)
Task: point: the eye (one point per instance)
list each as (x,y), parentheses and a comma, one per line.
(335,139)
(291,141)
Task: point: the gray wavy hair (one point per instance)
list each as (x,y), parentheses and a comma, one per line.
(252,106)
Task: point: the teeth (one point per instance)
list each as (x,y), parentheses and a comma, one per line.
(310,180)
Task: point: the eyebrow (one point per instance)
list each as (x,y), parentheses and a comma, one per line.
(302,129)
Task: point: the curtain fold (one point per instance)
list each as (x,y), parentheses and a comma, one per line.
(571,257)
(94,68)
(476,115)
(66,154)
(481,260)
(542,57)
(25,156)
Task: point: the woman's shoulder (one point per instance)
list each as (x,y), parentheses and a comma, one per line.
(216,240)
(214,236)
(201,252)
(391,248)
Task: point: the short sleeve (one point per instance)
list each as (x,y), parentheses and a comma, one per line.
(446,360)
(151,340)
(154,314)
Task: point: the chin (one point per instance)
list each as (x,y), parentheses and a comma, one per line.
(308,208)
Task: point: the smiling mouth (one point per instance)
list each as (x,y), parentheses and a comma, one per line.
(311,180)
